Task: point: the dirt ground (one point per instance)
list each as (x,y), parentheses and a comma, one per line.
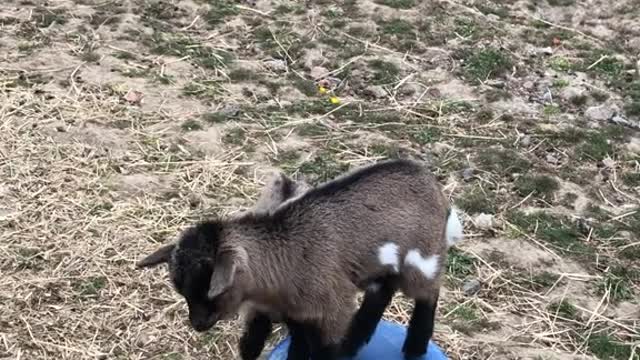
(121,121)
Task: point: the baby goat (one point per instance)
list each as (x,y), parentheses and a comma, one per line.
(380,228)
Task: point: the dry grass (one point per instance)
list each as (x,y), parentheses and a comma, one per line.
(112,139)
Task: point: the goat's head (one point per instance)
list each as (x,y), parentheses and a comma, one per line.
(203,272)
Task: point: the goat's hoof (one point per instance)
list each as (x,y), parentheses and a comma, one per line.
(416,356)
(350,350)
(249,355)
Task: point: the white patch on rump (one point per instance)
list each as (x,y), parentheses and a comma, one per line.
(428,266)
(388,255)
(453,233)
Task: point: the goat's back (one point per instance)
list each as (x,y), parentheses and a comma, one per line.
(366,222)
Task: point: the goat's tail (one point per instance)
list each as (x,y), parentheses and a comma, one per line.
(453,232)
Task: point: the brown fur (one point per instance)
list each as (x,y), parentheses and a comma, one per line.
(308,258)
(322,248)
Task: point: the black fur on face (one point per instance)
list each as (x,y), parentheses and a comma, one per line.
(191,266)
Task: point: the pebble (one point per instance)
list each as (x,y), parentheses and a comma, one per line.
(467,174)
(552,159)
(526,140)
(318,72)
(619,120)
(499,84)
(471,287)
(609,162)
(439,148)
(410,89)
(546,51)
(194,200)
(547,97)
(634,44)
(570,92)
(633,146)
(230,110)
(375,91)
(484,221)
(600,113)
(276,65)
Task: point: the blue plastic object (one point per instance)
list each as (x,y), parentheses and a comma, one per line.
(386,344)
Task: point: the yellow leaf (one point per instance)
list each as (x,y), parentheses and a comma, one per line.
(334,100)
(322,90)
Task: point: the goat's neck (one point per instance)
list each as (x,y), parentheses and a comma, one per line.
(267,262)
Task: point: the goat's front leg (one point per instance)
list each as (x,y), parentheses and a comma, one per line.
(299,347)
(420,328)
(376,299)
(255,336)
(322,346)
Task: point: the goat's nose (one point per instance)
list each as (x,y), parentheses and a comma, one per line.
(199,325)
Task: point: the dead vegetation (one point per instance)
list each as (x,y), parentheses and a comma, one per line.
(123,120)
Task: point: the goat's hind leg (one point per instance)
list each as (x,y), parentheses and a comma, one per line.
(420,328)
(255,336)
(376,299)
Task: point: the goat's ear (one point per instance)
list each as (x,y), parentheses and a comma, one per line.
(273,193)
(224,272)
(159,256)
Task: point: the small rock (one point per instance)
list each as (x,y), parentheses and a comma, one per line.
(546,51)
(619,120)
(143,339)
(439,148)
(434,93)
(134,97)
(609,162)
(584,225)
(471,287)
(634,43)
(410,88)
(194,200)
(600,113)
(569,93)
(483,221)
(375,91)
(318,72)
(547,97)
(526,140)
(552,159)
(499,84)
(230,110)
(276,65)
(467,174)
(528,85)
(633,146)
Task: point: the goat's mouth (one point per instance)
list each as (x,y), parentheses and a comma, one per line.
(202,325)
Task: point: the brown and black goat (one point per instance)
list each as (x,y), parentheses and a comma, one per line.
(380,228)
